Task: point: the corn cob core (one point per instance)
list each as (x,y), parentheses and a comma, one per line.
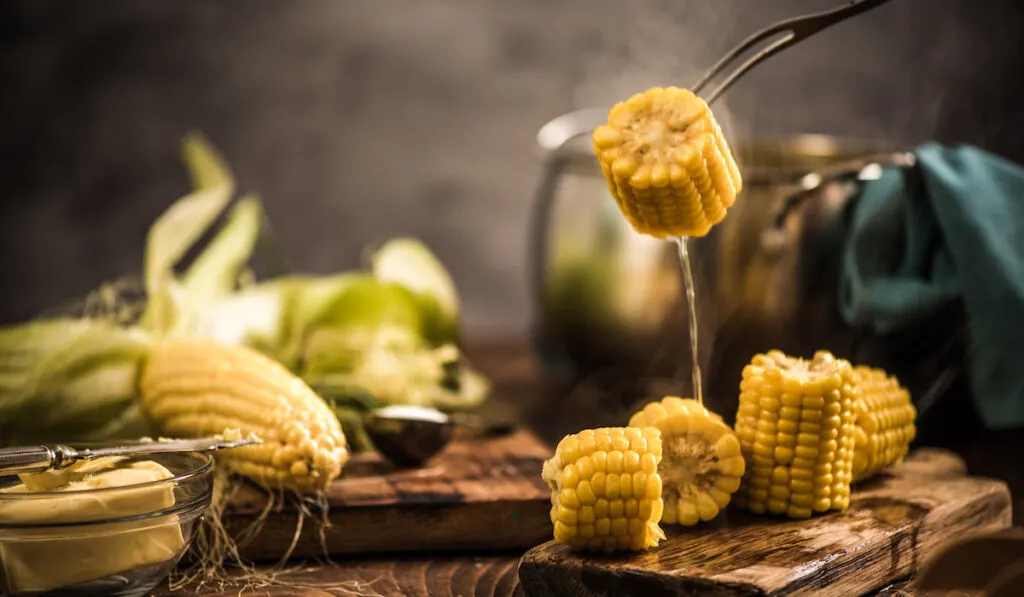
(701,464)
(885,422)
(667,163)
(605,489)
(199,388)
(796,429)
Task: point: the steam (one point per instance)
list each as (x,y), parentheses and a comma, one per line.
(657,43)
(865,78)
(660,43)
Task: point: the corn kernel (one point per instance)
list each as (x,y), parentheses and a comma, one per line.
(199,388)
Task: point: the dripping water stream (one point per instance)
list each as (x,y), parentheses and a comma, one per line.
(691,305)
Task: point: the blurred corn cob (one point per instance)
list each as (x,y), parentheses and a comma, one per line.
(667,163)
(701,465)
(796,428)
(605,489)
(885,422)
(200,388)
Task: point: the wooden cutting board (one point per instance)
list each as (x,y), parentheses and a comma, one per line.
(478,494)
(894,523)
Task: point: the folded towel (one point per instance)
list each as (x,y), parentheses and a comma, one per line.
(955,234)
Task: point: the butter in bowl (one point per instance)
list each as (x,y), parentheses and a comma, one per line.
(110,526)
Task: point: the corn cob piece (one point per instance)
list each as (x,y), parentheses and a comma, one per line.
(667,163)
(605,489)
(885,422)
(701,464)
(199,388)
(796,429)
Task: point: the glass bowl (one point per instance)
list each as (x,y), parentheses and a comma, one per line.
(115,541)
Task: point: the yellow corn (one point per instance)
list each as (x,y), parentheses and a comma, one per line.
(796,428)
(885,422)
(701,465)
(605,489)
(199,388)
(667,163)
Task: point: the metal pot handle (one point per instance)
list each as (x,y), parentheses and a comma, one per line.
(551,138)
(559,131)
(538,242)
(863,168)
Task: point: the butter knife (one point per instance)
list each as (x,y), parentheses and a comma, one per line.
(36,459)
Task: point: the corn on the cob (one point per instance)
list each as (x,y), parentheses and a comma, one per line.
(667,163)
(885,422)
(605,489)
(197,388)
(796,430)
(701,465)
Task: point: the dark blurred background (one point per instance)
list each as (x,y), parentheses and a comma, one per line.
(357,120)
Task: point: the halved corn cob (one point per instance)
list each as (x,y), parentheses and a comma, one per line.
(796,430)
(605,489)
(885,422)
(199,388)
(701,464)
(667,163)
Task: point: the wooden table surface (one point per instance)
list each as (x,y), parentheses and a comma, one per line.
(451,576)
(519,392)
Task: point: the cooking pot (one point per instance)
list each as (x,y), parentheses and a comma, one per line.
(611,300)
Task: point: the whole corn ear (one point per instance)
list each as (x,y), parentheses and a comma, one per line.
(884,424)
(796,428)
(605,489)
(667,163)
(198,388)
(701,465)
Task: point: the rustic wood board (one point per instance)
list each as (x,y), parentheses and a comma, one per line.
(893,524)
(479,493)
(439,576)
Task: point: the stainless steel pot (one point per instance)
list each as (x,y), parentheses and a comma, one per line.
(609,299)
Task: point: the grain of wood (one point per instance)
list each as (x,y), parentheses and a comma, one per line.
(480,493)
(436,577)
(894,522)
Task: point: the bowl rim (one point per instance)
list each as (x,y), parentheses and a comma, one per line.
(202,469)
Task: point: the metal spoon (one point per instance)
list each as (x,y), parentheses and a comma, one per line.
(409,436)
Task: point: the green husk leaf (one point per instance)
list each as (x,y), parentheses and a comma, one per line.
(207,168)
(410,263)
(328,349)
(391,364)
(217,269)
(353,427)
(178,229)
(65,378)
(367,303)
(309,300)
(251,317)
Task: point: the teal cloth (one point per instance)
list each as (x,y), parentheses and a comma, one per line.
(960,235)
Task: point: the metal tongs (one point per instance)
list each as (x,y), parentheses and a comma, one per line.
(795,30)
(37,459)
(556,133)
